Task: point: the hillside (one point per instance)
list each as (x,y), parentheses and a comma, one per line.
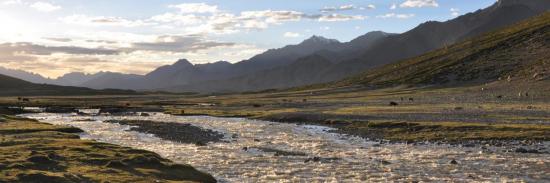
(10,86)
(518,53)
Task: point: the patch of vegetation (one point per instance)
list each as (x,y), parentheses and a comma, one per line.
(449,131)
(34,151)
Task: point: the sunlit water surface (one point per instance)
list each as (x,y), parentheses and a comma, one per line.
(345,158)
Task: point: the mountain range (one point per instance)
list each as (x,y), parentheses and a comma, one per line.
(10,86)
(315,60)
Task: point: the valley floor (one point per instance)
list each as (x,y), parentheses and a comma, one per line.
(496,111)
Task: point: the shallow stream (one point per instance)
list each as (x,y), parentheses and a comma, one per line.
(317,154)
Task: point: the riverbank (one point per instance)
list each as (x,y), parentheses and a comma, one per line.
(488,114)
(481,115)
(34,151)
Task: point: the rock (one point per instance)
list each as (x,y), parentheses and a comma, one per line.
(39,159)
(144,114)
(523,150)
(256,140)
(245,148)
(453,162)
(314,159)
(116,164)
(200,143)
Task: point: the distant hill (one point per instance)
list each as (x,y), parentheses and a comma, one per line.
(10,86)
(519,53)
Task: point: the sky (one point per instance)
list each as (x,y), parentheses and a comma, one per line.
(55,37)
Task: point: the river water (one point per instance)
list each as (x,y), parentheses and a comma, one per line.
(340,158)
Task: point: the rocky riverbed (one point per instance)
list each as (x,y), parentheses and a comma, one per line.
(263,151)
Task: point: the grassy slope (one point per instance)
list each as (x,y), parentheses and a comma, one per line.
(519,52)
(15,87)
(33,151)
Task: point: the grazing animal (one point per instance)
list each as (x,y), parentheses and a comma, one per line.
(256,105)
(26,100)
(304,100)
(499,97)
(394,104)
(402,99)
(19,98)
(411,99)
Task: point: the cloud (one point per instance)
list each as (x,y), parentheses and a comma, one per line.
(418,4)
(44,6)
(101,41)
(177,44)
(394,15)
(26,48)
(346,8)
(455,12)
(338,18)
(340,8)
(103,21)
(291,34)
(58,39)
(195,8)
(179,19)
(393,6)
(12,2)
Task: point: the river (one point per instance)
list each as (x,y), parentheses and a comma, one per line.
(321,156)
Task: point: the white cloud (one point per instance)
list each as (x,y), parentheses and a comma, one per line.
(195,8)
(175,44)
(394,15)
(346,8)
(45,7)
(291,34)
(340,8)
(325,28)
(455,12)
(103,21)
(187,19)
(339,17)
(12,2)
(419,3)
(393,6)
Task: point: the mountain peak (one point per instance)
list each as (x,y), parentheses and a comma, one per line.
(182,63)
(319,40)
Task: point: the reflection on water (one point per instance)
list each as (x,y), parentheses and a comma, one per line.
(320,156)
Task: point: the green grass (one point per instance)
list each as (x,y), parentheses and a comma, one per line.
(34,151)
(451,131)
